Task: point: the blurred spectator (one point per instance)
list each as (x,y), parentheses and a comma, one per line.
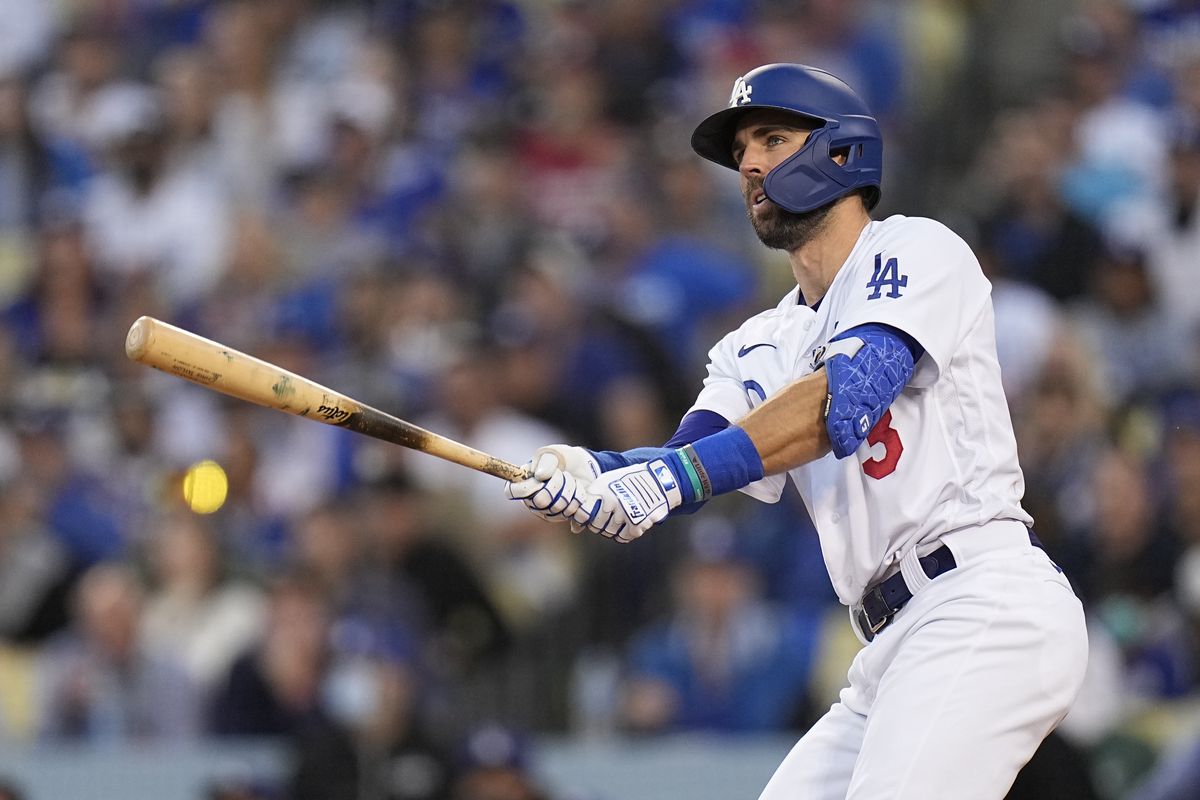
(639,59)
(194,610)
(63,299)
(781,542)
(254,537)
(1028,230)
(1175,777)
(1127,551)
(133,469)
(849,38)
(1060,434)
(30,167)
(494,765)
(465,625)
(486,222)
(68,102)
(572,158)
(452,86)
(145,215)
(321,237)
(265,126)
(331,547)
(571,358)
(1120,135)
(102,682)
(1134,350)
(389,187)
(273,688)
(1123,569)
(1027,322)
(77,507)
(376,691)
(186,78)
(277,688)
(1111,122)
(672,284)
(1058,769)
(725,660)
(36,571)
(1168,229)
(27,34)
(1181,446)
(9,791)
(1113,25)
(328,547)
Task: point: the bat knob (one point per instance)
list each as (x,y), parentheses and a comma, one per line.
(138,338)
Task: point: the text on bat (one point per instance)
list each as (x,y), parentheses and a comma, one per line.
(333,413)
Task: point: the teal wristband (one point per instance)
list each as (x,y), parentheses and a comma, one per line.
(696,471)
(689,469)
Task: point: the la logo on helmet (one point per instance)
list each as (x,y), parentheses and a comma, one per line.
(741,93)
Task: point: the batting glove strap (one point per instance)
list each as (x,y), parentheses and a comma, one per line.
(644,491)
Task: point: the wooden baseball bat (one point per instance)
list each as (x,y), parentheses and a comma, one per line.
(223,369)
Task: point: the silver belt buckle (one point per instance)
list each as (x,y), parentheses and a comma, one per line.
(861,624)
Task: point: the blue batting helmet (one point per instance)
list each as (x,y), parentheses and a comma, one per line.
(809,178)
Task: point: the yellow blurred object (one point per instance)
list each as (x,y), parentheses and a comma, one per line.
(205,487)
(18,690)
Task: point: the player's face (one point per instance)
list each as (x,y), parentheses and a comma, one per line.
(765,139)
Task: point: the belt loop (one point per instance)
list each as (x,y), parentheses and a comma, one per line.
(856,625)
(914,575)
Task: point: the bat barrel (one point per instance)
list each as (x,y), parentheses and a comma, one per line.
(214,366)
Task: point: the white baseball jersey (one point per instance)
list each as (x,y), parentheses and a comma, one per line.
(944,456)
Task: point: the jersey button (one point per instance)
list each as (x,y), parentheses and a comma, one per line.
(835,517)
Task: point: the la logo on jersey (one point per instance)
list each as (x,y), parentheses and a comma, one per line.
(886,276)
(741,93)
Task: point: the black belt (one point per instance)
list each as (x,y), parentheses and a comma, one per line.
(880,602)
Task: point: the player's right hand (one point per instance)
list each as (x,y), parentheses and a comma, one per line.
(557,484)
(624,503)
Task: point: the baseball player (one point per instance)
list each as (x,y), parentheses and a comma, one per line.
(874,385)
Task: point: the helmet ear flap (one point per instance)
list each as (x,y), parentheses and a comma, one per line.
(810,177)
(819,96)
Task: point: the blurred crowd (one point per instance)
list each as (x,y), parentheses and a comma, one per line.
(484,216)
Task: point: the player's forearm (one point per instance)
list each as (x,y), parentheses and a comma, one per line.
(789,428)
(784,432)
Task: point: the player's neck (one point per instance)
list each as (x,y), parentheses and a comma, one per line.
(816,263)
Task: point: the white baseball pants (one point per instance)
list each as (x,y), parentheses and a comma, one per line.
(954,696)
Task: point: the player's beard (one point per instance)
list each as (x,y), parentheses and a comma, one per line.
(780,229)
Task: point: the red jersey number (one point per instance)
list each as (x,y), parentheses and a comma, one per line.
(883,433)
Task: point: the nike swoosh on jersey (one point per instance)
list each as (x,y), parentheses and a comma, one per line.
(747,348)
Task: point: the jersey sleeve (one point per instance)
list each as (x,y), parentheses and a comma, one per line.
(926,282)
(724,393)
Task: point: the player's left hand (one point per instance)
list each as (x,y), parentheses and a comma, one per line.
(625,503)
(557,476)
